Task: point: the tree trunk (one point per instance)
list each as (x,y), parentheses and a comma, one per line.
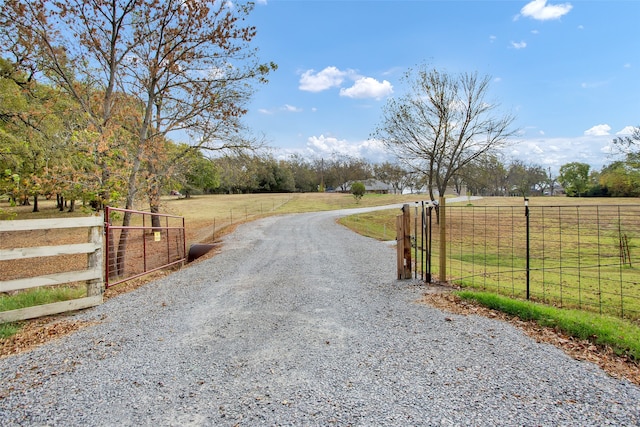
(155,219)
(72,205)
(154,196)
(122,244)
(126,221)
(35,203)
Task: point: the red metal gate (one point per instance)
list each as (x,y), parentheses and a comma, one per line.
(143,246)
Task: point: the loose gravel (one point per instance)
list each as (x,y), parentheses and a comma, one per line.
(300,322)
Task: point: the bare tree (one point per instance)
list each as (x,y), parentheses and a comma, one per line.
(442,124)
(628,144)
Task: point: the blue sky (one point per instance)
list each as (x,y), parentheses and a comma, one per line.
(569,71)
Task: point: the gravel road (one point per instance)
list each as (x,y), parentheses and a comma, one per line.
(300,322)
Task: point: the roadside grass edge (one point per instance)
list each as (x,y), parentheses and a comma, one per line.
(621,336)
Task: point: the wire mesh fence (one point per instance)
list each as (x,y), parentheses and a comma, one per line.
(142,246)
(582,257)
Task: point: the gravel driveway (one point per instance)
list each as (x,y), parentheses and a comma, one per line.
(301,322)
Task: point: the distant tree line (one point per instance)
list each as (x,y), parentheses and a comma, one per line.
(488,175)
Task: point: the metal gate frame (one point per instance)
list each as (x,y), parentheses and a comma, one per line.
(145,229)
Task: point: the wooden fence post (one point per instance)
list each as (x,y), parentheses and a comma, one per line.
(442,273)
(403,239)
(95,261)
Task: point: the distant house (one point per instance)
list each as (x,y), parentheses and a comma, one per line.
(372,186)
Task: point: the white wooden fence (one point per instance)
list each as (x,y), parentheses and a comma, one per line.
(93,274)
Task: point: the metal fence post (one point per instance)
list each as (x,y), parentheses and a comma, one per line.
(526,214)
(415,245)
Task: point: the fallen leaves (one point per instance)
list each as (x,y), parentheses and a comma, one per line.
(38,332)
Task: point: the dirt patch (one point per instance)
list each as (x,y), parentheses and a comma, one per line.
(604,357)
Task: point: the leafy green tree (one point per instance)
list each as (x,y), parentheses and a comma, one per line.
(358,190)
(486,176)
(574,177)
(392,174)
(37,128)
(305,175)
(238,174)
(622,178)
(525,179)
(201,176)
(282,176)
(341,171)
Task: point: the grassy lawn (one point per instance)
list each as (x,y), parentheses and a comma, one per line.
(41,296)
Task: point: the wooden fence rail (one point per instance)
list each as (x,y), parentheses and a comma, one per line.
(92,274)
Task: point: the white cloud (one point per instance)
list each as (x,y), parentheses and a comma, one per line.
(535,148)
(541,11)
(520,45)
(598,130)
(368,87)
(286,107)
(291,108)
(311,81)
(330,77)
(316,82)
(627,130)
(328,146)
(608,149)
(555,152)
(492,38)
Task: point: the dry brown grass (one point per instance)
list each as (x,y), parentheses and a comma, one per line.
(554,201)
